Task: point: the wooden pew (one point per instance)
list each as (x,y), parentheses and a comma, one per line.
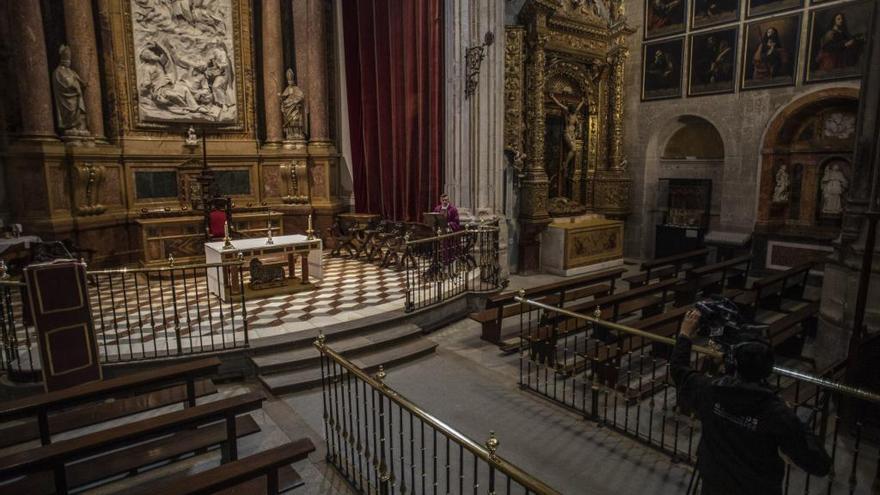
(770,291)
(40,406)
(501,306)
(54,457)
(798,323)
(258,473)
(713,279)
(667,267)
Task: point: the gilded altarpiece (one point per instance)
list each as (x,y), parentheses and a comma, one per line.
(564,85)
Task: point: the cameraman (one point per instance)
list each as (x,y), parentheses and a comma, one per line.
(745,424)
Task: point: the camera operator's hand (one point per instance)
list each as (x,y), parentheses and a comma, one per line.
(691,323)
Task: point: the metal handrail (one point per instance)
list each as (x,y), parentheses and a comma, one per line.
(457,233)
(842,388)
(192,266)
(12,283)
(526,480)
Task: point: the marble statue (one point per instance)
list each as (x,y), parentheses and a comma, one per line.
(571,139)
(67,88)
(292,109)
(192,139)
(184,53)
(834,184)
(781,190)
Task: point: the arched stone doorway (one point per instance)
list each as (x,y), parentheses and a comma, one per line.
(806,169)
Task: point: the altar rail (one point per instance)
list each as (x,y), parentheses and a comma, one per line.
(446,266)
(383,443)
(619,377)
(139,314)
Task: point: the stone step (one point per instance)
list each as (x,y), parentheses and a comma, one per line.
(291,381)
(305,338)
(305,356)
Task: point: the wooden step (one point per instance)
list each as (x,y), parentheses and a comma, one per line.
(92,414)
(299,358)
(291,381)
(132,458)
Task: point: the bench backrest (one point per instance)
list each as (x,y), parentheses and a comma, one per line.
(676,260)
(561,286)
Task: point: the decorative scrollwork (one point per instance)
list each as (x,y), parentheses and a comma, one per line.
(474,58)
(91,176)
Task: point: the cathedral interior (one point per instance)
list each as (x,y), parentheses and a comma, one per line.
(440,246)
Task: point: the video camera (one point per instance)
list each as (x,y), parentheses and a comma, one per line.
(722,322)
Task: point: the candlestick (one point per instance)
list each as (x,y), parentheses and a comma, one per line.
(227,242)
(309,231)
(269,227)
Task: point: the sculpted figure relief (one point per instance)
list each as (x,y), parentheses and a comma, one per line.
(834,185)
(292,108)
(67,88)
(780,192)
(571,140)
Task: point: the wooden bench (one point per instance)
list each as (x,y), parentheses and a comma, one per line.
(667,267)
(713,279)
(54,457)
(41,405)
(649,300)
(258,473)
(501,306)
(798,323)
(770,291)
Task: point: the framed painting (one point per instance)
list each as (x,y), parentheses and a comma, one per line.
(705,13)
(712,62)
(185,62)
(838,41)
(756,8)
(770,51)
(661,69)
(664,17)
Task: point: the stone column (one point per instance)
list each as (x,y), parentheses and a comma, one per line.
(80,27)
(316,94)
(34,88)
(273,70)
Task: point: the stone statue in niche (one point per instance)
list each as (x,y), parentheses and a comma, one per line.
(572,141)
(191,138)
(292,108)
(783,185)
(833,186)
(67,88)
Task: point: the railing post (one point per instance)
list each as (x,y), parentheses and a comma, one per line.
(492,447)
(384,476)
(177,336)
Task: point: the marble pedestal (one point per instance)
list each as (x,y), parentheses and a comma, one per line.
(577,245)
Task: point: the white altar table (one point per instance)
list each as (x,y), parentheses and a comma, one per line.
(290,246)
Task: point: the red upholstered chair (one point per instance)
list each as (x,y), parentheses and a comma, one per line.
(215,220)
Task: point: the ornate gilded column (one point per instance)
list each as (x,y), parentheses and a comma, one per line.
(80,27)
(273,70)
(316,93)
(617,62)
(34,90)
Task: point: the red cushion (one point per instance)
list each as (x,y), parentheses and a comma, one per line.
(216,223)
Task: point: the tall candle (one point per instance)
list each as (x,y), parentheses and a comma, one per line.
(310,221)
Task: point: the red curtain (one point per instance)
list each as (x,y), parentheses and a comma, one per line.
(394,71)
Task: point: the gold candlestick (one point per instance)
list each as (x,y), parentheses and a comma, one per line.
(309,232)
(227,242)
(269,227)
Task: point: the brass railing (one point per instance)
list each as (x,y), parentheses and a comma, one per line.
(18,340)
(446,266)
(619,376)
(384,443)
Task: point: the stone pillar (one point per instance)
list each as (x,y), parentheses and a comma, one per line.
(317,92)
(80,27)
(273,70)
(34,88)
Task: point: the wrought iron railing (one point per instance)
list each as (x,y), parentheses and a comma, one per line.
(150,313)
(619,377)
(446,266)
(383,443)
(139,314)
(19,353)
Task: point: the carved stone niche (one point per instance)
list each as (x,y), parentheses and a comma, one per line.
(571,66)
(295,176)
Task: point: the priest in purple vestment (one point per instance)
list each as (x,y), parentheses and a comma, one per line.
(450,211)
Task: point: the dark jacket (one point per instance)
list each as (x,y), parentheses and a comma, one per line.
(745,425)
